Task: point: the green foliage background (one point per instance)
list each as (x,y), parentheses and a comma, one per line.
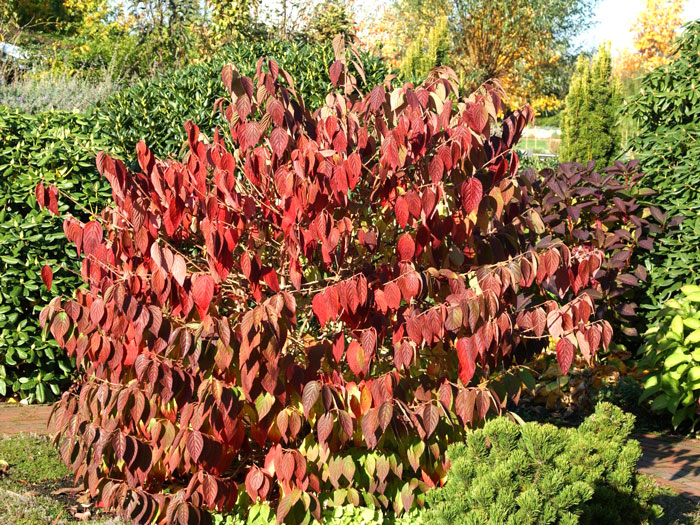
(667,114)
(59,148)
(671,352)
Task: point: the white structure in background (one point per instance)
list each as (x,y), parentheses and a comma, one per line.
(12,59)
(541,133)
(12,51)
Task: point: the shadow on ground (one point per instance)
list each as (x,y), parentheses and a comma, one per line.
(678,510)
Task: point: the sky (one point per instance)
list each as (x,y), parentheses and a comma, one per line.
(614,19)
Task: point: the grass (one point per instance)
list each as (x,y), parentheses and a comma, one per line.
(536,145)
(31,459)
(35,486)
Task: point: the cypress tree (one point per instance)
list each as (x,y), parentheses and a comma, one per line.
(590,129)
(427,52)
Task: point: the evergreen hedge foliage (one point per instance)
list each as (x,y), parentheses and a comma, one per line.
(153,109)
(59,148)
(667,113)
(537,474)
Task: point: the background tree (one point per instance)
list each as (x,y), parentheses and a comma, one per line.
(331,18)
(45,14)
(169,31)
(526,44)
(655,31)
(427,50)
(396,28)
(520,42)
(232,18)
(590,121)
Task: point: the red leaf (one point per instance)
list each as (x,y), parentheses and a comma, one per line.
(377,98)
(607,334)
(179,269)
(338,347)
(319,304)
(429,198)
(203,293)
(195,445)
(436,168)
(39,193)
(565,354)
(92,237)
(53,199)
(406,247)
(356,358)
(384,416)
(464,405)
(210,490)
(251,135)
(471,193)
(324,427)
(401,210)
(309,396)
(335,70)
(278,140)
(47,276)
(445,394)
(392,293)
(369,341)
(345,422)
(431,416)
(539,321)
(466,354)
(97,310)
(483,402)
(370,423)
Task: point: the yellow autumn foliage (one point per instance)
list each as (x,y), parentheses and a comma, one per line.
(655,30)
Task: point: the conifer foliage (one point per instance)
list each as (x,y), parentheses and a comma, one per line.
(534,473)
(305,310)
(590,128)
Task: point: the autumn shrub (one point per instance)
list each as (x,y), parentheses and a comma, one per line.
(586,206)
(538,473)
(59,148)
(307,308)
(671,357)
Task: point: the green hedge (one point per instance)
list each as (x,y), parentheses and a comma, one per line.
(667,113)
(59,148)
(156,109)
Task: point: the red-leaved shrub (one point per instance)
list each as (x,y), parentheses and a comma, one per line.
(306,310)
(582,206)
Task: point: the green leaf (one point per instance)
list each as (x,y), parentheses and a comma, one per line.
(693,337)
